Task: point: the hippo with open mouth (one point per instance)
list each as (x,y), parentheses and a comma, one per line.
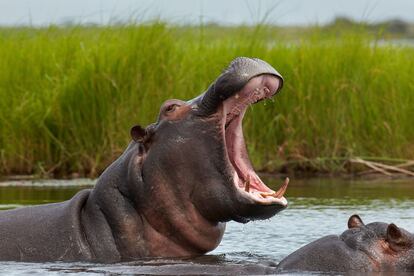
(374,247)
(172,190)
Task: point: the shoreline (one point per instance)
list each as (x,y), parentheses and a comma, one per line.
(342,168)
(87,181)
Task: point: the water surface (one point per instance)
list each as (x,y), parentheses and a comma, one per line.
(317,207)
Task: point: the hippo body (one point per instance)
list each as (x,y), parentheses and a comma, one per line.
(374,247)
(52,231)
(161,198)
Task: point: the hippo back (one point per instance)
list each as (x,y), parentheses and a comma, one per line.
(325,254)
(45,232)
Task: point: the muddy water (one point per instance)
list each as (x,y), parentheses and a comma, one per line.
(317,207)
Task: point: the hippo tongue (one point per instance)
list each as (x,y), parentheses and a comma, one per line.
(239,158)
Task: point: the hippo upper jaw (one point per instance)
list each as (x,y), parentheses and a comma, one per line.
(233,79)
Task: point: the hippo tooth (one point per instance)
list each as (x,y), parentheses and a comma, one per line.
(279,193)
(247,185)
(267,194)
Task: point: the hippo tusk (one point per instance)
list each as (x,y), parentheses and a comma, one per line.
(279,193)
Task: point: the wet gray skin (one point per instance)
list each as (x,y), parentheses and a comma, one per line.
(373,247)
(171,191)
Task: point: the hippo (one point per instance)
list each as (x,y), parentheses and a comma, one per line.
(374,247)
(171,191)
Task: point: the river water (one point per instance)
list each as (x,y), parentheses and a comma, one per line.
(317,207)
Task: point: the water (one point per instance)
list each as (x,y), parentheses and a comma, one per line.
(317,207)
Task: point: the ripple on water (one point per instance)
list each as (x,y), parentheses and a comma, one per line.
(317,208)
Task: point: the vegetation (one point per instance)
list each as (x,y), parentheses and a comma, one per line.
(70,95)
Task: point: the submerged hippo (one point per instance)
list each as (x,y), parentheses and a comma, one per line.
(169,193)
(376,246)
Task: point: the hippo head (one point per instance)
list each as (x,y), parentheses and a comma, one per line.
(375,246)
(194,156)
(386,246)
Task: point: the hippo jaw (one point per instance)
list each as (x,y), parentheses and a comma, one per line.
(244,82)
(233,109)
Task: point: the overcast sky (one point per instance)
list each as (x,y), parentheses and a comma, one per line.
(284,12)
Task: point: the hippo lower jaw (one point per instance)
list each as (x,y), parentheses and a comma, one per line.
(246,180)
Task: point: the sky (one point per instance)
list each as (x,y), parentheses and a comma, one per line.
(227,12)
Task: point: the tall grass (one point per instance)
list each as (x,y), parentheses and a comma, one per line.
(68,96)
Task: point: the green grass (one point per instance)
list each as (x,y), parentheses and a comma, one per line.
(70,95)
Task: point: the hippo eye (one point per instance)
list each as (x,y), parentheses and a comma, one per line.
(171,108)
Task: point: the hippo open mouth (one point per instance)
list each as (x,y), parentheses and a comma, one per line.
(246,180)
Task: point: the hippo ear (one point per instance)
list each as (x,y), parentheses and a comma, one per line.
(138,133)
(396,238)
(354,222)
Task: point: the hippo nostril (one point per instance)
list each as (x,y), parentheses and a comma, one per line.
(272,84)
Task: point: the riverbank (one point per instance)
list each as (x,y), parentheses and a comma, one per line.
(70,95)
(367,174)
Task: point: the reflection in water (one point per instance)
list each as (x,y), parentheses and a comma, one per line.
(316,208)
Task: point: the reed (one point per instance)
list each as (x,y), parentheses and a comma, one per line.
(70,95)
